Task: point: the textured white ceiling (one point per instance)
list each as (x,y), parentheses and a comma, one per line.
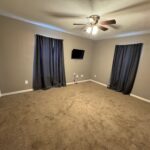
(132,16)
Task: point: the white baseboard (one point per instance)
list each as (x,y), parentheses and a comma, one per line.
(16,92)
(98,82)
(70,83)
(29,90)
(135,96)
(141,98)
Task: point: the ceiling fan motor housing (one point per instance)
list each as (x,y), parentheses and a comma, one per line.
(95,18)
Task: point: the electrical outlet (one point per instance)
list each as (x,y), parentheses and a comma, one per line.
(95,76)
(82,75)
(26,82)
(77,76)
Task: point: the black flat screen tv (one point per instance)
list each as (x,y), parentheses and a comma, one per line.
(77,54)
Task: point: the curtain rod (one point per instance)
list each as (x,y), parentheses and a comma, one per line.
(128,44)
(49,37)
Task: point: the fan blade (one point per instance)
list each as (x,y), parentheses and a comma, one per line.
(130,7)
(79,28)
(79,24)
(103,28)
(114,26)
(108,22)
(64,15)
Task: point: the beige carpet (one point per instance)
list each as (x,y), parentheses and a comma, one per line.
(84,116)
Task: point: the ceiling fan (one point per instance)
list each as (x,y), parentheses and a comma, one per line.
(95,24)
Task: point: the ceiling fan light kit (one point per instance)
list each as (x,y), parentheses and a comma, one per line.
(92,30)
(89,29)
(94,24)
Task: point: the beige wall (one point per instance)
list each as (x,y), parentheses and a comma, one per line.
(17,41)
(103,57)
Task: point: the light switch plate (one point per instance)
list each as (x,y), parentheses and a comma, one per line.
(82,75)
(77,76)
(26,82)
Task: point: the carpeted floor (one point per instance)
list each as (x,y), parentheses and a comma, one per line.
(84,116)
